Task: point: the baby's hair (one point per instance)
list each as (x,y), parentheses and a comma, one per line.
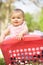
(18,10)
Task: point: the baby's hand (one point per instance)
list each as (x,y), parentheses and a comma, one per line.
(20,36)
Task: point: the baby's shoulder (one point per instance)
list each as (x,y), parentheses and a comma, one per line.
(24,23)
(10,25)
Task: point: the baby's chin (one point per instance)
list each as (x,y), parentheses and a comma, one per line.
(16,24)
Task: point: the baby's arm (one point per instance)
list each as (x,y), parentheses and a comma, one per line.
(24,29)
(23,32)
(4,34)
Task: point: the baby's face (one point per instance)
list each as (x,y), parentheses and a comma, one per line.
(17,18)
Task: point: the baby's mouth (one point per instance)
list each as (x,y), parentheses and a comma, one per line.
(16,22)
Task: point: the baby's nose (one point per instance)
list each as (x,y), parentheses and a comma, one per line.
(16,20)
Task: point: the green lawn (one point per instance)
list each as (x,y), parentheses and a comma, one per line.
(2,61)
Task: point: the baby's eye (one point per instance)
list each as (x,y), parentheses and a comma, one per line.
(13,17)
(18,17)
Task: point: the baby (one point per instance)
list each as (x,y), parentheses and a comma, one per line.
(17,28)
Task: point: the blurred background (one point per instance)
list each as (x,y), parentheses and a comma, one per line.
(33,10)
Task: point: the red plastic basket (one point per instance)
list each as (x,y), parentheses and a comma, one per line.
(29,48)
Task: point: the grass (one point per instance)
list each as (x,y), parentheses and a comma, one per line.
(2,61)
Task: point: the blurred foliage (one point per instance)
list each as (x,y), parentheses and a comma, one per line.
(32,25)
(28,18)
(41,20)
(5,7)
(3,10)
